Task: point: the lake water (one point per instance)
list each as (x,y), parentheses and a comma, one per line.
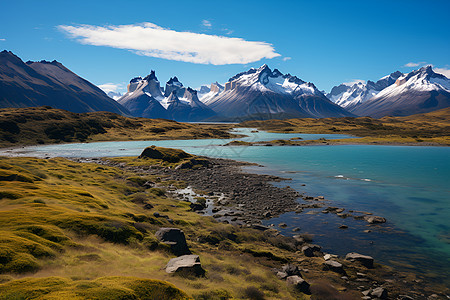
(410,186)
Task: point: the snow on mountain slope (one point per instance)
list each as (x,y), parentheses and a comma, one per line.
(145,98)
(419,91)
(351,95)
(263,93)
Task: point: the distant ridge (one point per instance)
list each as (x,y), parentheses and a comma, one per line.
(41,83)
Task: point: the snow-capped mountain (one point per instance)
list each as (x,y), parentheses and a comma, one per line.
(146,98)
(350,95)
(419,91)
(215,89)
(114,95)
(264,94)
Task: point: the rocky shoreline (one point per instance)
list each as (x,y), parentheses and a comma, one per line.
(234,196)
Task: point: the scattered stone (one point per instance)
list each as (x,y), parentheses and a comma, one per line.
(175,238)
(327,256)
(156,214)
(309,250)
(282,275)
(339,210)
(365,260)
(291,270)
(344,277)
(282,225)
(260,227)
(186,264)
(358,274)
(299,284)
(367,292)
(148,206)
(379,292)
(374,219)
(405,297)
(334,266)
(296,229)
(367,231)
(343,227)
(197,206)
(267,214)
(320,197)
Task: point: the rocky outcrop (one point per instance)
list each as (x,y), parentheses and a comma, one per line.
(175,238)
(185,265)
(299,283)
(311,250)
(365,260)
(166,154)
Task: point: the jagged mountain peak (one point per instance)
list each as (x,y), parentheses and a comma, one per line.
(151,76)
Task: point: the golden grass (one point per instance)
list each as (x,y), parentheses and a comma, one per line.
(423,129)
(64,230)
(45,125)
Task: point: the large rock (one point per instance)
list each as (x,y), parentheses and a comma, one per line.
(334,266)
(299,284)
(379,292)
(365,260)
(309,250)
(185,265)
(374,219)
(165,154)
(175,238)
(194,163)
(291,270)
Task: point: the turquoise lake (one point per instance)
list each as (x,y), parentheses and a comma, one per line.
(409,186)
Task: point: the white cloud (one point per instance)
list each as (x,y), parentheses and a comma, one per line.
(206,23)
(413,64)
(2,40)
(354,81)
(443,71)
(110,87)
(151,40)
(287,58)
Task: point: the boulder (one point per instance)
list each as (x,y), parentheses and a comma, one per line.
(165,154)
(282,275)
(309,250)
(379,292)
(197,206)
(299,284)
(194,163)
(291,270)
(175,238)
(334,266)
(185,265)
(374,219)
(365,260)
(260,227)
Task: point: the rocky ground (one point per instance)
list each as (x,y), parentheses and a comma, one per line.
(245,199)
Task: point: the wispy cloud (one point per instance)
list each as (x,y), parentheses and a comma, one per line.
(443,71)
(110,87)
(286,58)
(151,40)
(414,64)
(2,40)
(206,23)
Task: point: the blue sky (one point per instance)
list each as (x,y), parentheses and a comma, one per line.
(324,42)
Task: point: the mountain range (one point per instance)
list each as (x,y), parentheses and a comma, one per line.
(49,83)
(146,98)
(397,94)
(259,93)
